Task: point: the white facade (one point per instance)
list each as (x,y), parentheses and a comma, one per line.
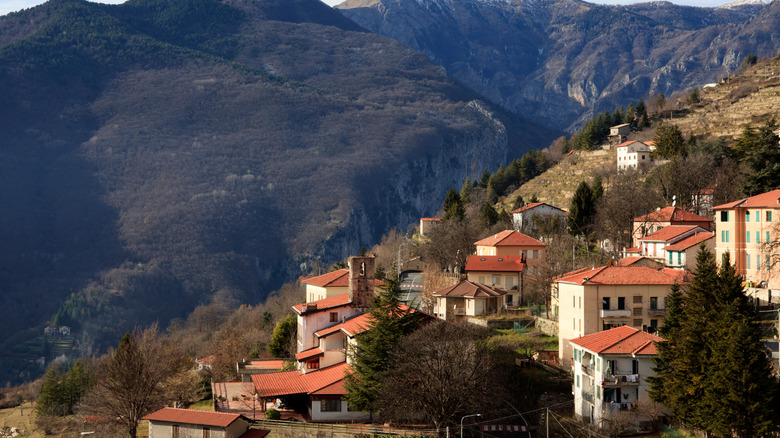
(334,409)
(315,293)
(633,155)
(161,429)
(523,220)
(309,323)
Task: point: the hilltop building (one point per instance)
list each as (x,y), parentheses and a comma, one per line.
(523,217)
(634,155)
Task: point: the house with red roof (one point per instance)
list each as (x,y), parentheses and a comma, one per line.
(634,155)
(591,300)
(610,373)
(523,218)
(682,254)
(512,243)
(654,245)
(744,228)
(427,224)
(468,298)
(663,217)
(329,285)
(502,272)
(190,423)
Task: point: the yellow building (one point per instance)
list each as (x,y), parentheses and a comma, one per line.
(594,299)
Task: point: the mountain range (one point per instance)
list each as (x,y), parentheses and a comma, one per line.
(559,62)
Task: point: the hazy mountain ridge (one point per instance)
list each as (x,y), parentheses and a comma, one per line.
(154,158)
(561,61)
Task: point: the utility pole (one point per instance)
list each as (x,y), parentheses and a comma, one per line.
(547,422)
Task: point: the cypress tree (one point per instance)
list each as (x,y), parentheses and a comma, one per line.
(489,215)
(582,210)
(453,206)
(465,190)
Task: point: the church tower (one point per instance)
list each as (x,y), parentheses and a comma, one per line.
(361,281)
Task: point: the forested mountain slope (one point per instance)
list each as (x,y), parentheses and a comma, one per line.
(161,153)
(562,61)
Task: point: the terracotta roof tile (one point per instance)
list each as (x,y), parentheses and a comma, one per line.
(308,354)
(469,289)
(671,214)
(620,340)
(509,238)
(295,382)
(765,200)
(690,241)
(323,304)
(476,263)
(628,261)
(337,278)
(191,416)
(629,142)
(357,324)
(628,275)
(431,219)
(667,233)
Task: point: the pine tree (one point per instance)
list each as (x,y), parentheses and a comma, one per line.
(452,206)
(284,331)
(661,384)
(669,142)
(581,211)
(597,188)
(489,215)
(758,150)
(465,191)
(50,400)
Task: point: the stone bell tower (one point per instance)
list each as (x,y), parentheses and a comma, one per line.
(361,281)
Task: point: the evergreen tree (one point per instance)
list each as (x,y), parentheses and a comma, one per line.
(518,202)
(661,384)
(489,215)
(50,399)
(597,189)
(533,199)
(483,180)
(370,357)
(465,191)
(581,211)
(759,151)
(669,141)
(453,207)
(283,333)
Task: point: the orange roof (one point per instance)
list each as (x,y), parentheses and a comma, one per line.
(208,360)
(633,250)
(690,241)
(191,416)
(323,304)
(765,200)
(308,354)
(337,278)
(357,324)
(628,261)
(620,340)
(431,219)
(271,364)
(509,238)
(295,382)
(494,263)
(626,143)
(671,214)
(469,289)
(668,233)
(627,275)
(532,206)
(336,388)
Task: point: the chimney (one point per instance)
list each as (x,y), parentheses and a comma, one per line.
(361,281)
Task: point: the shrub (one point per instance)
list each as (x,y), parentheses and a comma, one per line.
(273,414)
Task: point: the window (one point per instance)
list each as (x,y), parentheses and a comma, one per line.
(621,303)
(497,280)
(679,257)
(637,322)
(747,261)
(727,236)
(769,216)
(330,405)
(758,262)
(575,355)
(723,236)
(598,364)
(510,283)
(334,317)
(605,303)
(747,236)
(758,215)
(578,381)
(654,303)
(670,257)
(313,364)
(758,236)
(766,237)
(580,302)
(724,216)
(482,279)
(766,263)
(574,323)
(574,302)
(747,216)
(637,311)
(634,366)
(654,324)
(637,299)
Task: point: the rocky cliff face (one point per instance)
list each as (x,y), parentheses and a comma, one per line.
(557,62)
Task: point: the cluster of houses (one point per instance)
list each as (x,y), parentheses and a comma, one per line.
(605,316)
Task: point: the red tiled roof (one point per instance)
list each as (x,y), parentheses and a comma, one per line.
(633,250)
(620,340)
(336,388)
(337,278)
(431,219)
(255,433)
(509,238)
(358,324)
(208,360)
(323,304)
(494,263)
(765,200)
(671,214)
(628,275)
(308,354)
(295,382)
(191,416)
(667,233)
(469,289)
(628,261)
(626,143)
(272,364)
(690,241)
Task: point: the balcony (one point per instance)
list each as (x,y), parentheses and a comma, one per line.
(624,313)
(587,370)
(621,380)
(656,313)
(587,396)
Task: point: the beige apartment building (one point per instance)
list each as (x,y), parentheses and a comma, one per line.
(594,299)
(742,229)
(513,243)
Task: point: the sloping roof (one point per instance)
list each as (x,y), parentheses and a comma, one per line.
(470,290)
(269,364)
(533,205)
(509,238)
(323,304)
(633,250)
(671,214)
(625,275)
(629,142)
(476,263)
(431,219)
(308,354)
(620,340)
(295,382)
(357,324)
(628,261)
(765,200)
(667,233)
(191,416)
(690,241)
(337,278)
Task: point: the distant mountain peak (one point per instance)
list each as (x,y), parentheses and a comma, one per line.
(738,3)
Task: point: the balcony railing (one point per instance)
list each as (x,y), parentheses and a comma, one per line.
(653,313)
(624,313)
(621,380)
(588,396)
(587,370)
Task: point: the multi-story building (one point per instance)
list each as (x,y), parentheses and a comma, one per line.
(682,254)
(633,155)
(503,272)
(523,217)
(610,372)
(663,217)
(513,243)
(744,228)
(468,299)
(654,245)
(594,299)
(329,285)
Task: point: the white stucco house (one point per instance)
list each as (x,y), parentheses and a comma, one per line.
(633,154)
